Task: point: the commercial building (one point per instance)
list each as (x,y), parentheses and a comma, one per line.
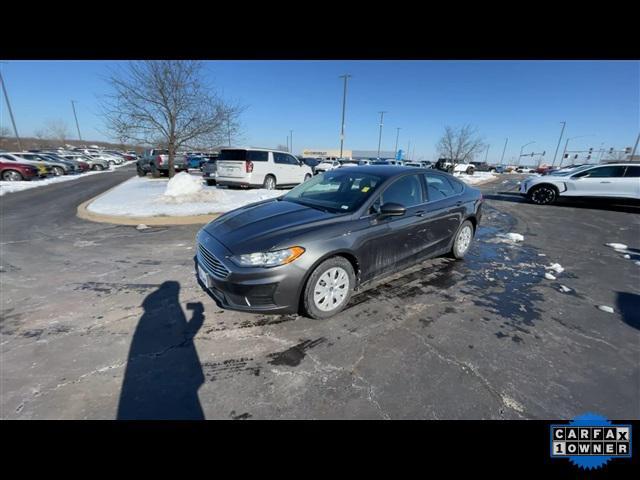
(331,154)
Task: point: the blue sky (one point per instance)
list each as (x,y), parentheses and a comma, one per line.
(522,100)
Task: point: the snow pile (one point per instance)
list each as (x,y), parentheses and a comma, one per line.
(10,187)
(605,308)
(145,197)
(507,238)
(556,267)
(564,289)
(549,276)
(183,184)
(142,226)
(617,246)
(477,177)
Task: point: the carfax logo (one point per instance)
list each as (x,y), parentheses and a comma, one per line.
(590,441)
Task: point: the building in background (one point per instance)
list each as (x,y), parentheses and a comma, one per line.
(333,154)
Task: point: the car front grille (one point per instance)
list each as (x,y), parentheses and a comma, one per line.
(212,263)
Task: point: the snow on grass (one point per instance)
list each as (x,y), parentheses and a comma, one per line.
(10,187)
(617,246)
(147,197)
(477,177)
(605,308)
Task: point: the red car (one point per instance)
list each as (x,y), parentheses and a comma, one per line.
(14,172)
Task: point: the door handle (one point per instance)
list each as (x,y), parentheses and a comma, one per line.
(420,213)
(605,182)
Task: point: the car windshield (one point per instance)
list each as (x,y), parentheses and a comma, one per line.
(335,191)
(565,173)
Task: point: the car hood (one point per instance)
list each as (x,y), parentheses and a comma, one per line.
(262,226)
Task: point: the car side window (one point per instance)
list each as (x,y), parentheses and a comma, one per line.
(439,187)
(632,171)
(612,171)
(258,156)
(407,191)
(280,158)
(293,160)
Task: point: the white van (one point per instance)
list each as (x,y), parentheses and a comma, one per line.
(260,167)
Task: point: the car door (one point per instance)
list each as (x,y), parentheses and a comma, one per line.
(281,167)
(443,211)
(632,181)
(295,171)
(602,181)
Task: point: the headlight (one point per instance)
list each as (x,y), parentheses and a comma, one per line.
(268,259)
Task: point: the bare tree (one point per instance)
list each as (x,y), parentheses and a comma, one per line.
(166,103)
(5,132)
(283,148)
(460,144)
(40,134)
(57,130)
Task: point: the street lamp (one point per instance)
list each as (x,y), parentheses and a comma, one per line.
(397,137)
(522,148)
(380,134)
(344,103)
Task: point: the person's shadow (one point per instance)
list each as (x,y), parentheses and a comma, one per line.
(163,371)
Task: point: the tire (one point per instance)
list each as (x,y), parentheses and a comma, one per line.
(470,171)
(58,171)
(313,300)
(269,182)
(307,177)
(211,183)
(462,241)
(12,176)
(543,194)
(141,172)
(155,173)
(98,167)
(493,170)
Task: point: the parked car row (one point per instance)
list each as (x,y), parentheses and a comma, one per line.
(31,164)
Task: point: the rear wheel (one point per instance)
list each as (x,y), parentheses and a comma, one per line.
(269,182)
(543,194)
(98,167)
(462,240)
(470,171)
(141,172)
(11,176)
(58,171)
(211,183)
(329,288)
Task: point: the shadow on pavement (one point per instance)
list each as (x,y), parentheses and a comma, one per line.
(610,205)
(163,371)
(629,306)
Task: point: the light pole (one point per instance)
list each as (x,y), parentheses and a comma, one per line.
(6,97)
(73,106)
(522,148)
(559,140)
(408,150)
(486,155)
(344,103)
(635,147)
(504,149)
(397,137)
(380,134)
(291,136)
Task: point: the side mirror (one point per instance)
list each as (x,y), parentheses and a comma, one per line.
(392,210)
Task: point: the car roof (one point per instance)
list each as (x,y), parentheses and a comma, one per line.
(384,170)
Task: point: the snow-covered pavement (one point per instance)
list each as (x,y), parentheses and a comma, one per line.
(187,195)
(9,187)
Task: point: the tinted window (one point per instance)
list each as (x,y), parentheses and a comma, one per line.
(438,187)
(602,172)
(280,158)
(7,157)
(407,191)
(633,171)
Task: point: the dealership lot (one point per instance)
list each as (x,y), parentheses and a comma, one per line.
(95,315)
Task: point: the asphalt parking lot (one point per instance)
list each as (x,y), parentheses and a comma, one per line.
(95,316)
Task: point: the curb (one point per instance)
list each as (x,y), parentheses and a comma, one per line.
(85,214)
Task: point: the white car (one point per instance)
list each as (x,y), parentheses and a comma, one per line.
(260,167)
(617,180)
(326,165)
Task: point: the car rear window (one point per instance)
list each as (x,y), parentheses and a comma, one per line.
(632,171)
(251,155)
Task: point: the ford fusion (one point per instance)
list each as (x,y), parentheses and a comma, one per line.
(309,249)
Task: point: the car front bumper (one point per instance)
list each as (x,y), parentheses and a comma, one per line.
(267,290)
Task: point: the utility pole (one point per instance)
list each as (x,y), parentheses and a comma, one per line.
(397,137)
(635,147)
(291,136)
(408,150)
(6,97)
(522,148)
(504,149)
(380,134)
(73,106)
(486,155)
(559,140)
(344,103)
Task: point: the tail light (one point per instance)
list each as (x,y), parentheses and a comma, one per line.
(248,166)
(159,159)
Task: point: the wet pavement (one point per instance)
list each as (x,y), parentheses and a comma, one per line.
(102,321)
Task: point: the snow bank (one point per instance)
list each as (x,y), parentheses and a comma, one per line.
(477,177)
(10,187)
(146,197)
(556,267)
(183,184)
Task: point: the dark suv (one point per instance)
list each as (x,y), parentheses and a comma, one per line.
(156,161)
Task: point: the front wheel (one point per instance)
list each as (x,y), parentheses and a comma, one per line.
(141,172)
(462,241)
(470,171)
(98,168)
(58,171)
(329,288)
(543,195)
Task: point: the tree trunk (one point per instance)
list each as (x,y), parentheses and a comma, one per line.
(172,156)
